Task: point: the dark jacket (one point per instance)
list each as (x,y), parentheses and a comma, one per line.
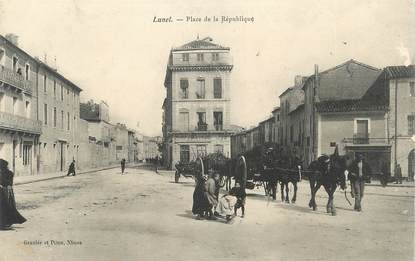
(354,171)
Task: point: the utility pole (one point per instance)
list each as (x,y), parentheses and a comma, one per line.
(396,127)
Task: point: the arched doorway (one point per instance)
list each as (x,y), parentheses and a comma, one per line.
(411,165)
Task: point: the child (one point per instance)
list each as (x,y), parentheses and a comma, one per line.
(226,206)
(240,195)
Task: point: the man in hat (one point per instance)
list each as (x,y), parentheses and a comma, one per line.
(359,172)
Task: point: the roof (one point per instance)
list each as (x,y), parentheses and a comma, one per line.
(42,64)
(347,81)
(286,91)
(393,72)
(276,109)
(351,105)
(203,44)
(298,108)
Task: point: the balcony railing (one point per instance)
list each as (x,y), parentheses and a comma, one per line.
(202,126)
(14,79)
(218,127)
(18,123)
(365,140)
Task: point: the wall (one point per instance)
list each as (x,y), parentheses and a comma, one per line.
(406,107)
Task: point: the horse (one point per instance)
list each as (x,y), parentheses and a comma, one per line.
(289,172)
(329,172)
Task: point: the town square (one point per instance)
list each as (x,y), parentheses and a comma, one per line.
(137,130)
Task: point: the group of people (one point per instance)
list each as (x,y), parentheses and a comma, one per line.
(8,212)
(207,203)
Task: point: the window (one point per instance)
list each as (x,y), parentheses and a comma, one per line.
(201,150)
(218,120)
(217,88)
(15,63)
(361,131)
(200,57)
(44,83)
(411,125)
(62,120)
(27,154)
(278,117)
(184,153)
(54,89)
(45,114)
(27,109)
(184,87)
(54,117)
(61,92)
(27,71)
(69,122)
(215,56)
(185,57)
(219,148)
(2,57)
(201,123)
(200,93)
(14,108)
(184,121)
(412,89)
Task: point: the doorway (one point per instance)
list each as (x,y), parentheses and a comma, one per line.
(62,155)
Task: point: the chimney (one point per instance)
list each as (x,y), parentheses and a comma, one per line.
(14,39)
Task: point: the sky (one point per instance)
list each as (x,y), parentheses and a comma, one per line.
(115,52)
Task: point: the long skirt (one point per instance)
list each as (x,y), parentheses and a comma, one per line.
(8,212)
(200,202)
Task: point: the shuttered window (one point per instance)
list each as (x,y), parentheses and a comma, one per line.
(217,88)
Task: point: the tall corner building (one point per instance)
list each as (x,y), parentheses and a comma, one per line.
(196,110)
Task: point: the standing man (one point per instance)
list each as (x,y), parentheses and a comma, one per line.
(359,172)
(71,169)
(122,166)
(398,174)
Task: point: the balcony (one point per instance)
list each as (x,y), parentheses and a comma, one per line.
(202,126)
(16,80)
(364,139)
(18,123)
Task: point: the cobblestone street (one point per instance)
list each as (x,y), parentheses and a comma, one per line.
(145,216)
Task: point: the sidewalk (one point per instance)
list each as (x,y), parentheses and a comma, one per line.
(405,184)
(20,180)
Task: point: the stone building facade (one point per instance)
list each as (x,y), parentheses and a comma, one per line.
(20,127)
(196,117)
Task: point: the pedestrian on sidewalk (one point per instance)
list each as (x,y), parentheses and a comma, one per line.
(122,166)
(71,169)
(8,212)
(398,174)
(359,172)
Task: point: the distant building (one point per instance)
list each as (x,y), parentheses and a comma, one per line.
(196,117)
(100,131)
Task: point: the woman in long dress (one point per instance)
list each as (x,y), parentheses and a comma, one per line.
(200,202)
(8,212)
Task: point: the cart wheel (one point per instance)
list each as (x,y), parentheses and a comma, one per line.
(176,176)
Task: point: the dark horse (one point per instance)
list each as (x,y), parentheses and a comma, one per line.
(290,172)
(329,172)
